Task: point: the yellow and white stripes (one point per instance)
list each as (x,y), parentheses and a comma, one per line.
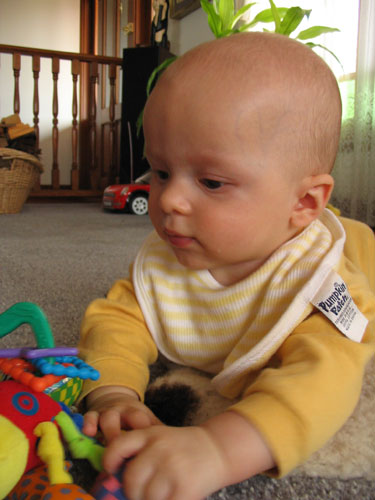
(196,321)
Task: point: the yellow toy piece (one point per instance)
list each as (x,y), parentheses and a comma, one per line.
(51,452)
(13,455)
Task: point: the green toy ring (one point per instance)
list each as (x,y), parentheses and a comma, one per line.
(31,314)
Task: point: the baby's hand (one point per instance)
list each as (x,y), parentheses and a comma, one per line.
(188,463)
(167,463)
(114,408)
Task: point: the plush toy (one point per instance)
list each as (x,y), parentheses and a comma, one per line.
(32,423)
(107,486)
(32,464)
(30,427)
(21,412)
(35,485)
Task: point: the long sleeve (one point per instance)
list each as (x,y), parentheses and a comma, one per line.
(299,404)
(115,341)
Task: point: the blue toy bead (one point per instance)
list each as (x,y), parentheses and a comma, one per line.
(80,368)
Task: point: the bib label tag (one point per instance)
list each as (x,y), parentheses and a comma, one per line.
(335,302)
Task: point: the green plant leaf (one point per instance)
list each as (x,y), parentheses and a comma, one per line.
(315,45)
(213,18)
(215,26)
(241,12)
(156,72)
(245,27)
(292,20)
(276,16)
(150,82)
(226,13)
(215,4)
(266,16)
(227,32)
(315,31)
(139,123)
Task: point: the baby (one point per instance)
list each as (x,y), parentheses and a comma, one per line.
(246,275)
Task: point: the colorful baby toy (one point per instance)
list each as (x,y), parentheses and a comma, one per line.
(35,424)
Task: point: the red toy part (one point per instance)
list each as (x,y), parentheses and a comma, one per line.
(34,485)
(26,408)
(22,371)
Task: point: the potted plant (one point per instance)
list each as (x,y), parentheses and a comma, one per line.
(223,20)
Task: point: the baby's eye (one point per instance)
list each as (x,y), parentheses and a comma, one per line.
(211,184)
(161,174)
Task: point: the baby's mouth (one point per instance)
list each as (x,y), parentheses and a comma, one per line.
(178,240)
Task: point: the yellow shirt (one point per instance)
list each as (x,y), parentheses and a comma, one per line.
(303,381)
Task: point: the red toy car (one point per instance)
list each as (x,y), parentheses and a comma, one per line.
(132,197)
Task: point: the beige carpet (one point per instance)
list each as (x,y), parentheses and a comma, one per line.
(349,454)
(63,255)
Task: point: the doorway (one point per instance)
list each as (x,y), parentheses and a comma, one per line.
(107,27)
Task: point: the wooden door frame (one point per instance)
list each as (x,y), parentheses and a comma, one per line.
(139,13)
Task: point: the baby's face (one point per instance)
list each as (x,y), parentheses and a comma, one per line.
(218,196)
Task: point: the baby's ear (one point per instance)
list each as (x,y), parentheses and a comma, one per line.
(313,195)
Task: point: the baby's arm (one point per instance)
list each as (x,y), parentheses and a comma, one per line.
(116,342)
(188,463)
(299,405)
(112,408)
(291,409)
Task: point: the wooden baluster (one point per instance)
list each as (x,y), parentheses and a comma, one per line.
(16,73)
(55,130)
(74,174)
(36,71)
(112,142)
(94,74)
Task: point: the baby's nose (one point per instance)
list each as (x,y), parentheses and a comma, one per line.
(174,198)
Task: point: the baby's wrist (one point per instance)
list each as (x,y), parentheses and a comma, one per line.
(108,393)
(240,445)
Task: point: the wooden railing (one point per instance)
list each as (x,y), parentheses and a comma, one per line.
(96,118)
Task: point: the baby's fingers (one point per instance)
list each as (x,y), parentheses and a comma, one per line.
(138,419)
(110,424)
(149,484)
(90,423)
(125,446)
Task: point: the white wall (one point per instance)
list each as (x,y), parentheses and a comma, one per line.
(55,25)
(43,24)
(188,32)
(193,29)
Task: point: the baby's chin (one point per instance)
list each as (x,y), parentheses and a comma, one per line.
(189,261)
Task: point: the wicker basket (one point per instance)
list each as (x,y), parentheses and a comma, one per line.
(18,173)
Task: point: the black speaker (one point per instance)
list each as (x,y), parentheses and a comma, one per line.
(138,64)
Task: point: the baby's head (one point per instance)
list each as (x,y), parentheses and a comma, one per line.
(256,110)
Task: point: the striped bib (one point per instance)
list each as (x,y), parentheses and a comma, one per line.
(230,330)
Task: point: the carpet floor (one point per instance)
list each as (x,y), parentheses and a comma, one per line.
(62,256)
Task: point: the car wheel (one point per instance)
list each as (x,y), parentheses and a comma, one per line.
(139,205)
